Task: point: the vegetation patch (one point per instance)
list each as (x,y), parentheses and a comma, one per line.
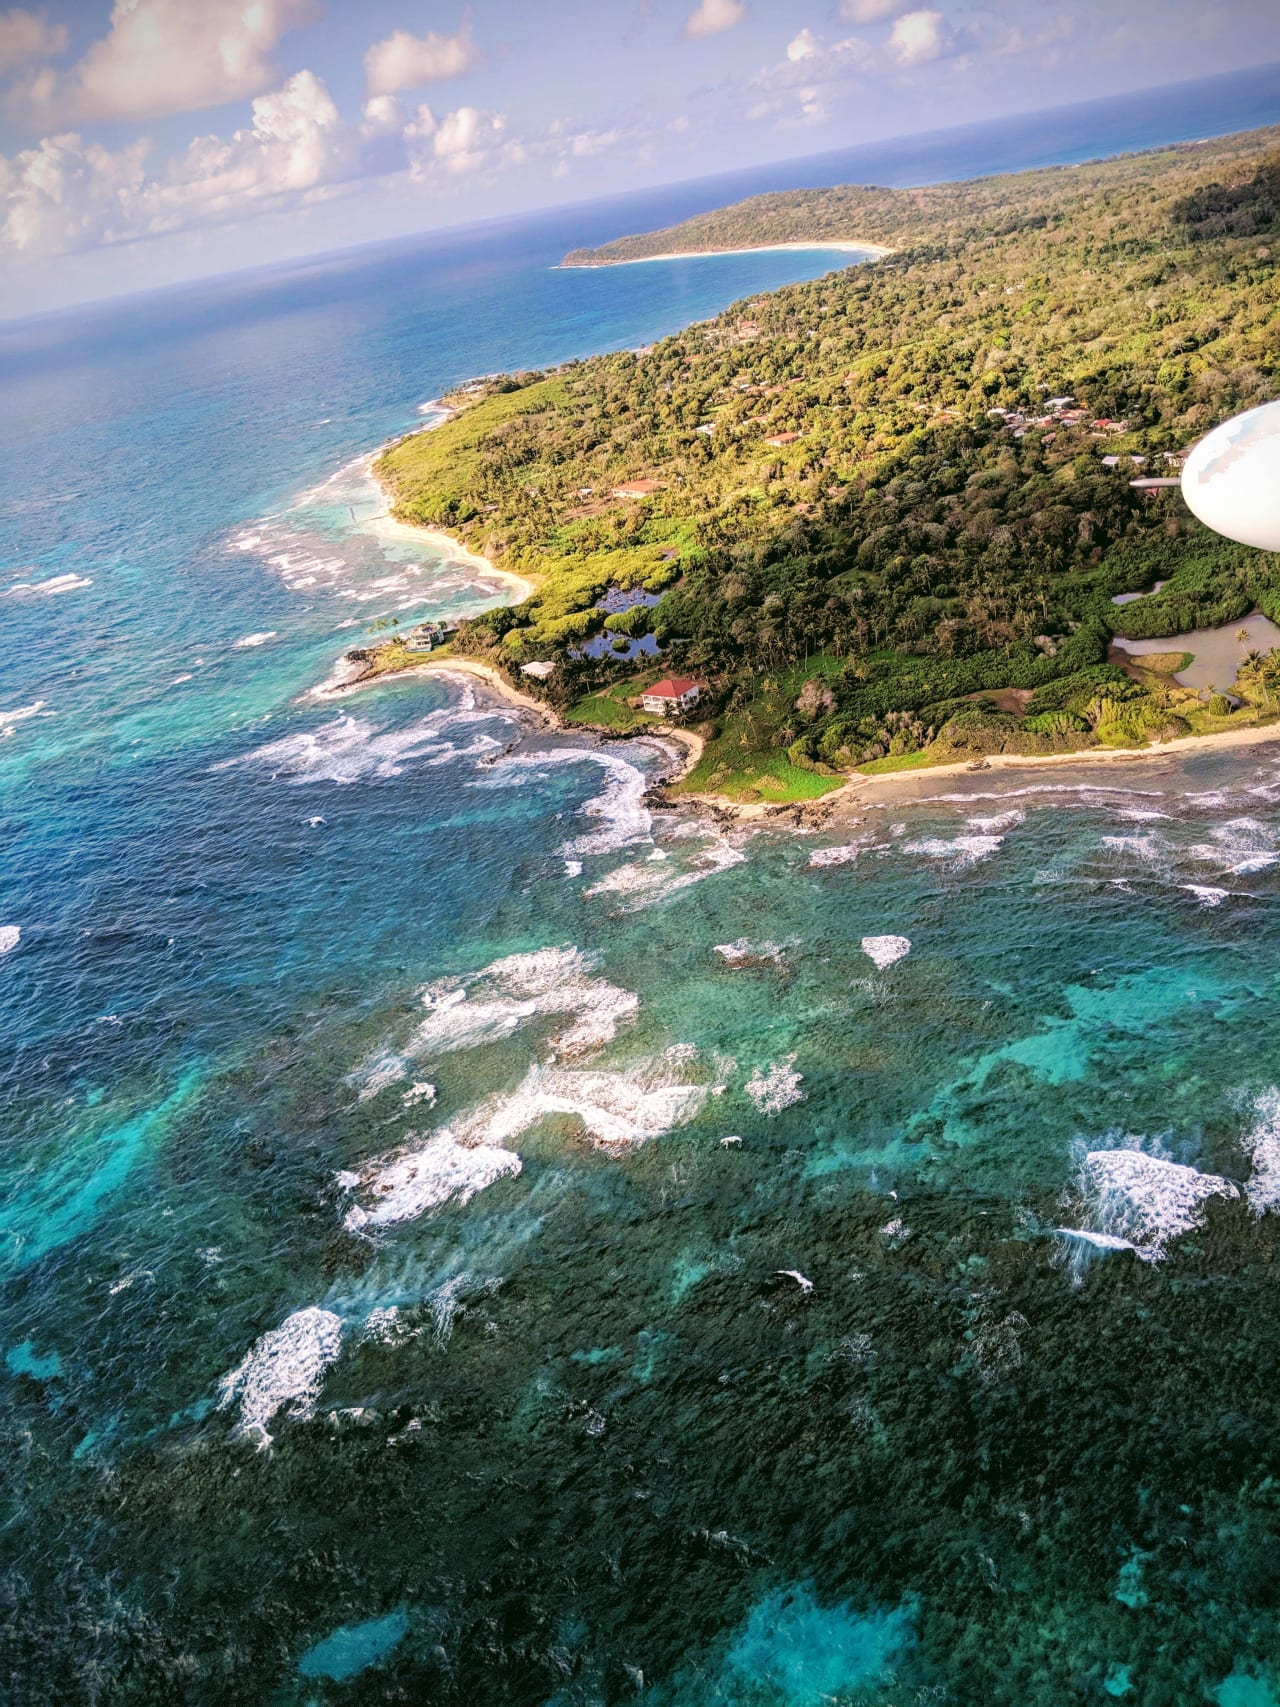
(901,536)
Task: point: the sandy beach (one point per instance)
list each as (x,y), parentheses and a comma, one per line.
(860,790)
(452,550)
(877,250)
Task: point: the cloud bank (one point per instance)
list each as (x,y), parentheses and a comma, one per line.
(161,57)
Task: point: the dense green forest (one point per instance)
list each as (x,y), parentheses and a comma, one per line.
(875,525)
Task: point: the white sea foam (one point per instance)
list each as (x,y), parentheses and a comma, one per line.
(352,750)
(846,855)
(886,951)
(1031,789)
(619,1109)
(1206,894)
(1145,1199)
(624,818)
(519,988)
(1238,848)
(419,1093)
(10,935)
(776,1087)
(1099,1241)
(1262,1145)
(442,1170)
(385,1069)
(257,639)
(285,1368)
(1147,848)
(647,882)
(959,852)
(19,714)
(997,823)
(744,953)
(52,587)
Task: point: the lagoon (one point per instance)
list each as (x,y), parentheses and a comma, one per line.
(1217,653)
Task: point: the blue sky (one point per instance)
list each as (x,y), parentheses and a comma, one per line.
(153,140)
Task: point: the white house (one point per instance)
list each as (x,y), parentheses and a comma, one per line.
(672,697)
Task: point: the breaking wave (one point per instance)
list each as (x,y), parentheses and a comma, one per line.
(284,1370)
(647,882)
(441,1170)
(350,749)
(495,1003)
(1142,1201)
(1262,1145)
(958,852)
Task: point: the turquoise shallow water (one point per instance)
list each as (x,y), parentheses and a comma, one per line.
(469,1235)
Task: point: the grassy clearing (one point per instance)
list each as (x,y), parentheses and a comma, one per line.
(921,761)
(769,777)
(395,655)
(609,710)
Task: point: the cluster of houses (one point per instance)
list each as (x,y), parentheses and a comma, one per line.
(1057,412)
(1065,412)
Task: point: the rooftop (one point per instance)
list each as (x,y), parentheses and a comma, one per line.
(673,687)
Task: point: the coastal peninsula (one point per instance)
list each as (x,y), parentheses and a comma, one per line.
(888,519)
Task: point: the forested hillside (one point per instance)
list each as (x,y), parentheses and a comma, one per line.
(864,499)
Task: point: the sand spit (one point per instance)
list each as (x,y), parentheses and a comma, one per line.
(876,251)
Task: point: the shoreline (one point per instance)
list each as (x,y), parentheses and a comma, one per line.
(447,546)
(858,787)
(499,685)
(350,675)
(875,251)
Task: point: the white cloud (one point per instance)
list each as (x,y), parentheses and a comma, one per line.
(404,61)
(804,46)
(921,37)
(871,11)
(163,56)
(1047,40)
(466,142)
(709,17)
(66,194)
(800,86)
(25,36)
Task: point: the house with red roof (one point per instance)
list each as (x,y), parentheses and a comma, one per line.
(672,697)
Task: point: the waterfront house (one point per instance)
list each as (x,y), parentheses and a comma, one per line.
(672,697)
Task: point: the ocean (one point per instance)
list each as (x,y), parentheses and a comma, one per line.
(469,1234)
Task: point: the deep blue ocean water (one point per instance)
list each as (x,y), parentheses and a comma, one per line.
(418,1148)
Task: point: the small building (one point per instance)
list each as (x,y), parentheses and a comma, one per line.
(672,697)
(540,667)
(780,439)
(425,637)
